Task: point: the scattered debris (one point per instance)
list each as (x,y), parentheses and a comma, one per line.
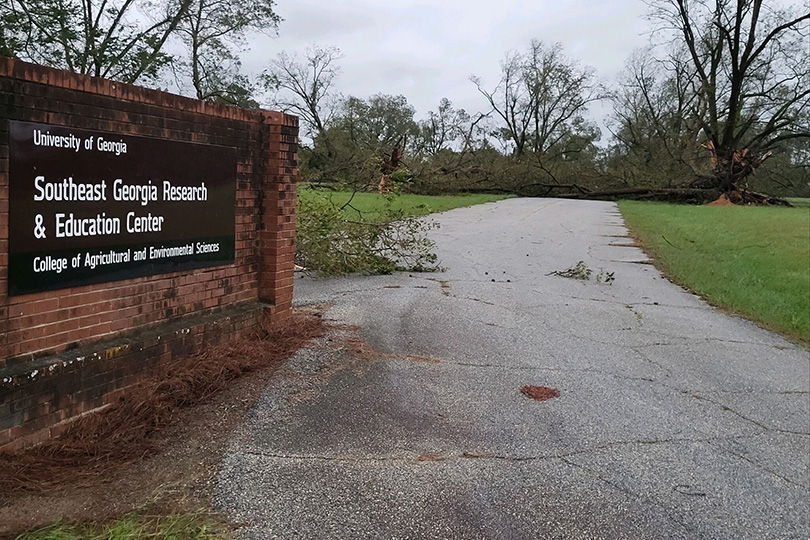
(445,287)
(539,393)
(578,271)
(605,277)
(583,272)
(359,348)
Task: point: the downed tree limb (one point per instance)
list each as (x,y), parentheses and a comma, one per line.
(645,193)
(745,197)
(738,197)
(550,187)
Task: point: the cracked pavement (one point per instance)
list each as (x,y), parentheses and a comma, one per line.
(674,420)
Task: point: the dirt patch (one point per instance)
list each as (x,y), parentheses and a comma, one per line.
(432,456)
(359,348)
(151,447)
(474,455)
(539,393)
(420,358)
(722,200)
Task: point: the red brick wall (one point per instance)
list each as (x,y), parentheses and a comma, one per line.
(37,326)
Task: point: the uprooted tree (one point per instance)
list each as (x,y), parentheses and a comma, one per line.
(747,71)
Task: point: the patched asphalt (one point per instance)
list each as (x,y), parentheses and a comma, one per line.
(674,420)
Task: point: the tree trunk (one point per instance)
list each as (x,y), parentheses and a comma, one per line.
(733,166)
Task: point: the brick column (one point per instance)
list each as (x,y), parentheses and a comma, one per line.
(277,224)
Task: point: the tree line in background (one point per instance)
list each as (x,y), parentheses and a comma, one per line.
(721,107)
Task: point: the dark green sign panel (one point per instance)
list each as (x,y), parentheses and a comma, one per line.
(91,207)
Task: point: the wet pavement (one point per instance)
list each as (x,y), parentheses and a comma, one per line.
(673,420)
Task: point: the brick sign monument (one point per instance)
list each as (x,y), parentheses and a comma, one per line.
(136,226)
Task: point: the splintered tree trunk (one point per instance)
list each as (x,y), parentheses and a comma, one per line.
(732,167)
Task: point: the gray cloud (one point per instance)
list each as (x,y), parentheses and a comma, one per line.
(428,50)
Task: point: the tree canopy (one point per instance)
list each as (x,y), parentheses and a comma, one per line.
(541,98)
(723,92)
(121,40)
(747,70)
(213,32)
(139,41)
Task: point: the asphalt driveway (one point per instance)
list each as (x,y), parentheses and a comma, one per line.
(673,420)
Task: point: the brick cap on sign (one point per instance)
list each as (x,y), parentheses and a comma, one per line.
(275,117)
(18,69)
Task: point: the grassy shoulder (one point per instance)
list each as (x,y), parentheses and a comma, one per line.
(366,206)
(754,261)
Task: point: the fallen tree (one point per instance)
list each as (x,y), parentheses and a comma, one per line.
(685,194)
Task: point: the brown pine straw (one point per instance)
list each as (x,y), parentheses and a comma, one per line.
(122,433)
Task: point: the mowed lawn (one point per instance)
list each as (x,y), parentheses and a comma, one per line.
(368,205)
(754,261)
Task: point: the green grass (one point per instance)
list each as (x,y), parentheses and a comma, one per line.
(138,526)
(368,205)
(754,261)
(799,202)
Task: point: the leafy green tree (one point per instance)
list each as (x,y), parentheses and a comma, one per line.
(378,123)
(135,41)
(122,40)
(214,32)
(364,142)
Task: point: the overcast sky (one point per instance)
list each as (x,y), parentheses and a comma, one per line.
(428,50)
